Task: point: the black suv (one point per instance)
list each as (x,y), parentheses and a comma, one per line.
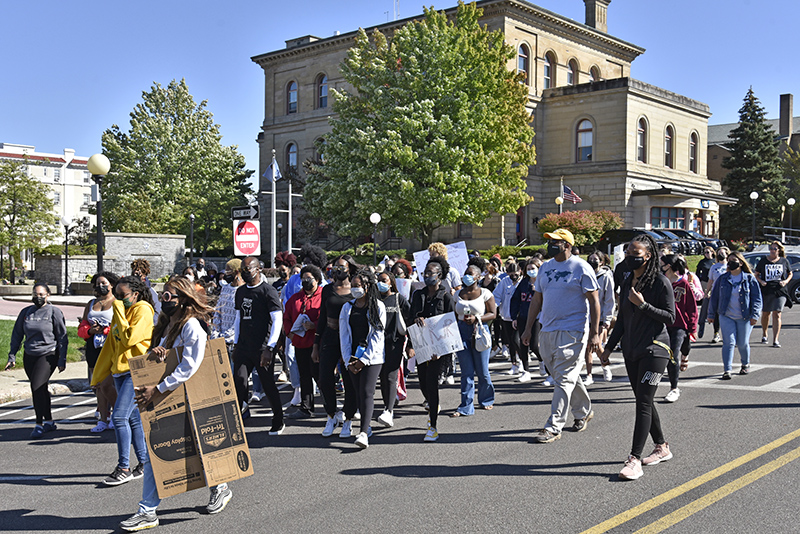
(689,246)
(712,242)
(612,238)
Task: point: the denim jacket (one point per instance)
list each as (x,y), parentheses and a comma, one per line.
(749,296)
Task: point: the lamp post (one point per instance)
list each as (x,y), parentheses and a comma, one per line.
(791,202)
(753,197)
(280,236)
(375,218)
(560,204)
(65,224)
(99,166)
(191,239)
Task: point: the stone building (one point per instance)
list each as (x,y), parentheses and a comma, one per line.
(620,144)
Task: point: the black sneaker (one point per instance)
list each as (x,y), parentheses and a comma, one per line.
(218,500)
(726,375)
(138,471)
(119,476)
(580,424)
(139,521)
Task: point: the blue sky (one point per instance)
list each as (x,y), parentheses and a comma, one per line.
(74,68)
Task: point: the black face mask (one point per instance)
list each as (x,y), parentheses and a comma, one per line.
(38,301)
(101,291)
(308,285)
(721,257)
(248,277)
(169,307)
(229,278)
(553,250)
(341,274)
(733,265)
(634,262)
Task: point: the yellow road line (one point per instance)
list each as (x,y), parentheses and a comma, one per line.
(646,506)
(683,513)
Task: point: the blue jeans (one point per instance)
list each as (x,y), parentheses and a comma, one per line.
(127,423)
(291,361)
(735,332)
(150,500)
(472,363)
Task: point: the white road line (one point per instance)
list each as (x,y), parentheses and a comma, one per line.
(28,400)
(73,417)
(87,401)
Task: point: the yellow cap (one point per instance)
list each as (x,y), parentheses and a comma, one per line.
(562,234)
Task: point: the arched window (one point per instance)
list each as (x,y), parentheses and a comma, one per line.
(572,72)
(524,62)
(584,141)
(319,148)
(549,70)
(322,91)
(291,155)
(693,152)
(291,97)
(594,74)
(669,141)
(641,141)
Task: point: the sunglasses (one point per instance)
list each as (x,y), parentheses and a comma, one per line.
(167,296)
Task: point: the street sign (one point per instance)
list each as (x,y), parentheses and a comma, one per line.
(244,212)
(246,238)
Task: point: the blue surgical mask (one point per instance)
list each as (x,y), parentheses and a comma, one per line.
(383,287)
(533,273)
(467,280)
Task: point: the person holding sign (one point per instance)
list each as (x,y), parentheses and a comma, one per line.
(475,307)
(361,333)
(430,301)
(183,323)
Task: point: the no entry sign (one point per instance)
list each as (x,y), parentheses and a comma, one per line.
(246,238)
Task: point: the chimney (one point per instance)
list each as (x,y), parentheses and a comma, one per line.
(596,14)
(785,122)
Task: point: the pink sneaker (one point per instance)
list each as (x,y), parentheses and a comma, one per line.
(632,469)
(660,454)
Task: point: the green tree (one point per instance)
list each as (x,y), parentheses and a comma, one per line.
(587,226)
(172,164)
(754,165)
(26,210)
(436,131)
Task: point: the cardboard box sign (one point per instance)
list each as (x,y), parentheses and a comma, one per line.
(194,434)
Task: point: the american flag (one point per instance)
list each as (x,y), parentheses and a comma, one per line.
(569,194)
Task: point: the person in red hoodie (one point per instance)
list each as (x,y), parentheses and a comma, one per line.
(300,318)
(674,268)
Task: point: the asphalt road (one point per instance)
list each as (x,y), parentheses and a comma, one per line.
(734,471)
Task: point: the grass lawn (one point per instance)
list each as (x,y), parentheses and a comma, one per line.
(73,355)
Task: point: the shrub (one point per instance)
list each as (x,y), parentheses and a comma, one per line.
(586,226)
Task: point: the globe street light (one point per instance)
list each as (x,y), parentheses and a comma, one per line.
(375,218)
(753,197)
(280,235)
(191,239)
(99,166)
(791,202)
(65,224)
(560,202)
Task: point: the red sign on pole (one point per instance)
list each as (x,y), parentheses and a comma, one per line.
(246,238)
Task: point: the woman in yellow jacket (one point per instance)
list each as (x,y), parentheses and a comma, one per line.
(130,334)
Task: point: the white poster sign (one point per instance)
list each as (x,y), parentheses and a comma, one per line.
(439,336)
(404,287)
(457,257)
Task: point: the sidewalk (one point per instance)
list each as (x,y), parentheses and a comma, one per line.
(14,385)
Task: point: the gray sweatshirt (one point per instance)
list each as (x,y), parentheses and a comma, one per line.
(44,331)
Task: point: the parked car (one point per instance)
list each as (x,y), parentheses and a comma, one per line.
(620,236)
(712,242)
(688,246)
(794,260)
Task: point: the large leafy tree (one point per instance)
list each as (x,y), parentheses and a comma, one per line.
(791,169)
(435,132)
(754,165)
(26,210)
(170,164)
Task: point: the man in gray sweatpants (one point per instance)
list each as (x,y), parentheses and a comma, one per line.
(565,292)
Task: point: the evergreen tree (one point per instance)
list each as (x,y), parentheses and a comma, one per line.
(754,165)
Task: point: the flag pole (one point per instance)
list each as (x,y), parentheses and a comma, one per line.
(289,222)
(561,194)
(273,252)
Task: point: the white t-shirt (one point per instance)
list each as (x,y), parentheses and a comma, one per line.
(475,307)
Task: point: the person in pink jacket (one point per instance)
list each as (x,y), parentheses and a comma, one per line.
(675,269)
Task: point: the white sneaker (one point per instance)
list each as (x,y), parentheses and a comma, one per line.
(386,419)
(296,400)
(431,434)
(588,381)
(346,429)
(673,395)
(339,418)
(330,426)
(357,416)
(450,380)
(514,370)
(362,440)
(548,381)
(607,375)
(525,377)
(255,397)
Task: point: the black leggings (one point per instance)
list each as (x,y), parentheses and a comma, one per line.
(39,370)
(677,337)
(330,355)
(644,375)
(512,339)
(388,376)
(364,382)
(429,384)
(243,365)
(309,371)
(497,333)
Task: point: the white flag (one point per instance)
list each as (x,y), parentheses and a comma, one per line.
(273,172)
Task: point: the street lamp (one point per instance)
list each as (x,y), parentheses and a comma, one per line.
(99,166)
(791,202)
(753,197)
(560,202)
(280,236)
(65,224)
(375,218)
(191,239)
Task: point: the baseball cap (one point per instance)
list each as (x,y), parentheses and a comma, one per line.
(562,234)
